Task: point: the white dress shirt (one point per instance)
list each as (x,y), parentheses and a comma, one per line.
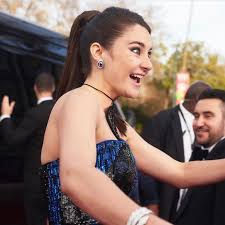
(40,100)
(186,120)
(3,116)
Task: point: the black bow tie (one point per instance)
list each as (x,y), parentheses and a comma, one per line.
(198,153)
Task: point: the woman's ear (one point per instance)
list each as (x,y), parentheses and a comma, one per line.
(96,51)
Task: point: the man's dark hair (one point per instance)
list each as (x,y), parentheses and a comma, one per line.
(214,94)
(196,89)
(193,93)
(45,82)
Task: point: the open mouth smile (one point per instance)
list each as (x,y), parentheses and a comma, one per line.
(136,77)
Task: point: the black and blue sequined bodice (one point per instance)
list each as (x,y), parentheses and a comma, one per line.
(114,158)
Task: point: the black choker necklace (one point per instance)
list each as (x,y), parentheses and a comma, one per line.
(111,113)
(100,91)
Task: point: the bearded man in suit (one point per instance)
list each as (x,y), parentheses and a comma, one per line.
(31,132)
(205,205)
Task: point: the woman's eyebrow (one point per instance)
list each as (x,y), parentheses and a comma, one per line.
(138,42)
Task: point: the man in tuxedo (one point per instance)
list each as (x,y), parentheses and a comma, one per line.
(205,205)
(31,132)
(171,131)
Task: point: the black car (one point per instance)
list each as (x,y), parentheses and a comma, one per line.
(25,50)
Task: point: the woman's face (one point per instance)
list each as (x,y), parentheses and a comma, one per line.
(128,61)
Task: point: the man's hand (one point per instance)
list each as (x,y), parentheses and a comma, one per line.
(7,108)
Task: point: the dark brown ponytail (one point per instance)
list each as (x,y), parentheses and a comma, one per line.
(72,76)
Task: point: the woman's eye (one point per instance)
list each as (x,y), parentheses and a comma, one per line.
(149,55)
(136,50)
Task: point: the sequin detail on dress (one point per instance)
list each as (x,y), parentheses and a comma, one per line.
(114,158)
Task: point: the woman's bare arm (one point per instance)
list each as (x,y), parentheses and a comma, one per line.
(89,188)
(158,164)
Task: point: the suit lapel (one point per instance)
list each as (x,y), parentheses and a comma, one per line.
(184,203)
(177,131)
(217,151)
(178,149)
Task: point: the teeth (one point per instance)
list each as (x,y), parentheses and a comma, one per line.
(136,75)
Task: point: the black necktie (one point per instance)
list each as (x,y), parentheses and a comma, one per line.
(198,153)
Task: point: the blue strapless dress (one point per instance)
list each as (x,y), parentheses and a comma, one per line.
(114,158)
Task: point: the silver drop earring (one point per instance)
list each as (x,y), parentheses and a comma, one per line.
(100,64)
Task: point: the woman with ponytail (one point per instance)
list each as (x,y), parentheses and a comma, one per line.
(90,155)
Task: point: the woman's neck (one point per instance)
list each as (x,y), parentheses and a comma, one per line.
(101,85)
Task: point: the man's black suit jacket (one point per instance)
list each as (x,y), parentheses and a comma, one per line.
(204,205)
(164,132)
(31,132)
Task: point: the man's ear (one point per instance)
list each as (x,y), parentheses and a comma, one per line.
(35,88)
(53,89)
(96,51)
(224,127)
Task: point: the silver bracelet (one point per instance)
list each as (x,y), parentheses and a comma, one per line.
(143,220)
(139,216)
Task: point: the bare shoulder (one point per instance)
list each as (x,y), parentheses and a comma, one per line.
(76,101)
(80,96)
(74,110)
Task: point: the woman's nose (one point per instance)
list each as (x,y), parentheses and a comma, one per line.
(146,65)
